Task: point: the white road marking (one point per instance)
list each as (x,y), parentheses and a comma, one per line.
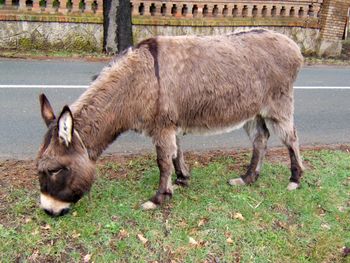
(320,87)
(45,86)
(86,86)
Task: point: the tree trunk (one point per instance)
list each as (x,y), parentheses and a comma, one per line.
(124,27)
(117,29)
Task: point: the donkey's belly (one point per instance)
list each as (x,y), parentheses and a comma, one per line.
(211,130)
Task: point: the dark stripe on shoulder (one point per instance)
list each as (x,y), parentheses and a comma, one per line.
(152,46)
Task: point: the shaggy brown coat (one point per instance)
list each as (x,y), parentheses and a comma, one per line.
(189,84)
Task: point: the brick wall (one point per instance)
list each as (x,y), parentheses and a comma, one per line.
(333,19)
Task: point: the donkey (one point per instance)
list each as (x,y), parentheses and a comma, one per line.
(166,86)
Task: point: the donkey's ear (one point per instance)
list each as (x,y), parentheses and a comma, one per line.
(46,110)
(65,126)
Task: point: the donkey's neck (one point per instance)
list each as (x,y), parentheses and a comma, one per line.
(97,114)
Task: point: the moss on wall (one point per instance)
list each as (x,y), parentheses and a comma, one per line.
(51,36)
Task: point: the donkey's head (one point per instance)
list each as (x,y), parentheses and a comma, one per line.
(64,168)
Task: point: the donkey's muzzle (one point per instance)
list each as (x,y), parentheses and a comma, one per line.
(61,213)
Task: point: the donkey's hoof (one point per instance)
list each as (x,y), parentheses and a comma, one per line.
(149,205)
(182,182)
(236,181)
(292,186)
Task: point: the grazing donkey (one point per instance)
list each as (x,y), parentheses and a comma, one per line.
(171,85)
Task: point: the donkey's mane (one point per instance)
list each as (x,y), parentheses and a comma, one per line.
(93,112)
(98,86)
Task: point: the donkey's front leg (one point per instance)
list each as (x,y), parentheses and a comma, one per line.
(165,143)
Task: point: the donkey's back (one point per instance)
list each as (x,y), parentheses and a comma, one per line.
(217,83)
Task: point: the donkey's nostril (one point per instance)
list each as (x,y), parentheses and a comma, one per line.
(48,212)
(64,211)
(61,213)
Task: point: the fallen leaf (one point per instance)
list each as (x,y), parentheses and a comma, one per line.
(229,240)
(46,227)
(123,234)
(115,218)
(341,208)
(281,224)
(87,258)
(142,238)
(75,213)
(326,226)
(238,216)
(75,235)
(27,220)
(204,243)
(192,241)
(202,222)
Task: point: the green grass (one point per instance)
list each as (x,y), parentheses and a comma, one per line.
(311,224)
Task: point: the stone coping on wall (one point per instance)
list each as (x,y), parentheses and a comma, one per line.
(168,21)
(74,18)
(230,22)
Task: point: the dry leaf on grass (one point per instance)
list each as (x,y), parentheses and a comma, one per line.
(341,208)
(202,222)
(229,240)
(326,226)
(46,227)
(192,241)
(123,234)
(238,216)
(142,238)
(75,235)
(87,258)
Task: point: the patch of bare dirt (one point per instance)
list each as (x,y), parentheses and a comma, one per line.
(22,174)
(17,174)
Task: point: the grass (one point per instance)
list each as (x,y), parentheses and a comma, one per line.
(207,222)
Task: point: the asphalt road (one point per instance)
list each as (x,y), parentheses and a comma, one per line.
(321,115)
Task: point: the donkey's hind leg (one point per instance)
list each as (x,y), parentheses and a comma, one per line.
(258,134)
(287,133)
(181,169)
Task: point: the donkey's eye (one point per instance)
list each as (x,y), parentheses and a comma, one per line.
(55,171)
